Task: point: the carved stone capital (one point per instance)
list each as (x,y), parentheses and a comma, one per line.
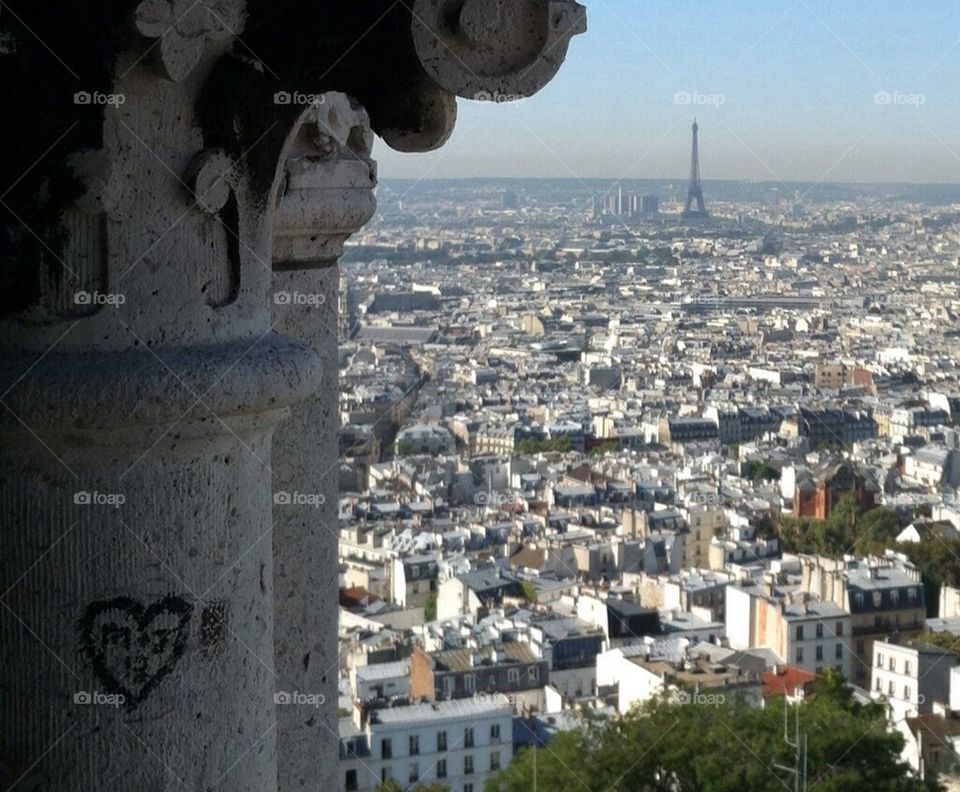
(507,47)
(325,190)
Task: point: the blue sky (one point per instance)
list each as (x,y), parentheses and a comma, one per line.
(808,90)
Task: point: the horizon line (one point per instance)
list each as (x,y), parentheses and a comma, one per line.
(682,179)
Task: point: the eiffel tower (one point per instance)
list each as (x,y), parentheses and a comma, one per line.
(695,190)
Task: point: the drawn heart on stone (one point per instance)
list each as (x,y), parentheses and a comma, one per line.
(132,647)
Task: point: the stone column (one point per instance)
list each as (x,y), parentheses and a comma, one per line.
(141,385)
(327,195)
(164,182)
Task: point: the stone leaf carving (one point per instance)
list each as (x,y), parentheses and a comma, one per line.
(183,28)
(133,647)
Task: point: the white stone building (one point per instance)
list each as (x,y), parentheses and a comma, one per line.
(458,744)
(911,677)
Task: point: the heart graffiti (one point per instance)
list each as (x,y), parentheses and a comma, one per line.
(133,647)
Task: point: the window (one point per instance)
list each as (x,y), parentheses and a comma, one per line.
(890,687)
(495,760)
(414,772)
(385,774)
(838,651)
(892,664)
(533,673)
(513,675)
(879,659)
(468,765)
(441,741)
(877,599)
(912,594)
(351,780)
(819,630)
(894,597)
(470,683)
(386,748)
(468,738)
(839,631)
(799,632)
(879,685)
(495,732)
(799,654)
(819,652)
(468,788)
(414,744)
(907,667)
(906,692)
(441,768)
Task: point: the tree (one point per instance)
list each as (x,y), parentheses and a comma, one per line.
(392,785)
(430,607)
(721,745)
(531,446)
(529,591)
(848,529)
(939,563)
(765,471)
(404,449)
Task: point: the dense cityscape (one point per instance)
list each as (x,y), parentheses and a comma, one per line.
(598,455)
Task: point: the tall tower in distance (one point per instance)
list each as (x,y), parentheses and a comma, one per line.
(695,190)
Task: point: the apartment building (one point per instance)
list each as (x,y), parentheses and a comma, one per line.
(911,676)
(458,744)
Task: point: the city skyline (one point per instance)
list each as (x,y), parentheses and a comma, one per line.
(800,92)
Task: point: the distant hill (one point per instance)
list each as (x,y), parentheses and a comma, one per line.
(715,190)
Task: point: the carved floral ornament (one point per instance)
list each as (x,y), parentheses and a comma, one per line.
(184,27)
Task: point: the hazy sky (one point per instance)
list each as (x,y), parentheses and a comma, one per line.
(810,90)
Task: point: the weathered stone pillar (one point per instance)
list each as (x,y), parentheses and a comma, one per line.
(327,195)
(177,182)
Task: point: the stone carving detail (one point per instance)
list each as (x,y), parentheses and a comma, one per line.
(184,27)
(209,182)
(83,285)
(207,177)
(513,47)
(133,647)
(325,192)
